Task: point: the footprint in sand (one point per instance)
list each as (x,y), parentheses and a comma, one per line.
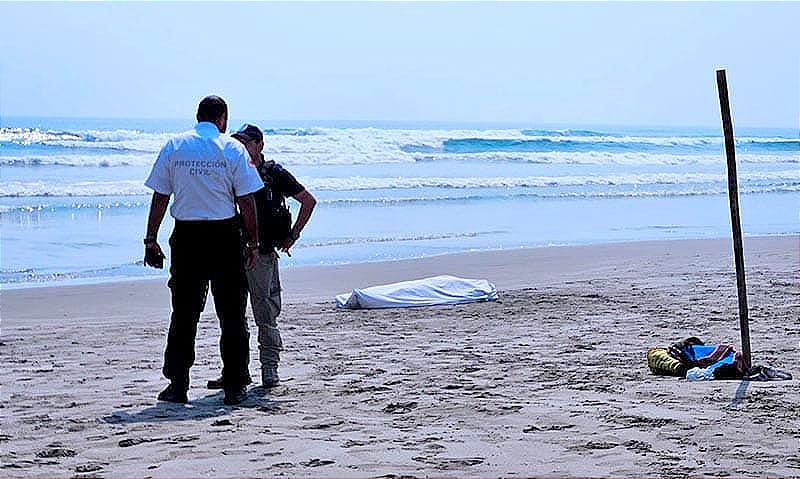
(434,447)
(450,463)
(136,440)
(327,424)
(638,446)
(400,407)
(182,438)
(317,462)
(550,427)
(269,408)
(599,445)
(353,443)
(83,468)
(56,451)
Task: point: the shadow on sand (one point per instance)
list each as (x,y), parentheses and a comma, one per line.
(738,397)
(206,407)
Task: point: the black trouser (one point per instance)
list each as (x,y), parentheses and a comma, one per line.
(206,252)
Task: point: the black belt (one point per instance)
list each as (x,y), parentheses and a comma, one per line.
(229,221)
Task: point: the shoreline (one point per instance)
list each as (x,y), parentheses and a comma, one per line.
(320,284)
(88,282)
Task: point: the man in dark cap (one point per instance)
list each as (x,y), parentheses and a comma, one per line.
(275,231)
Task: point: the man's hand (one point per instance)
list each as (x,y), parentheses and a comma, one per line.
(286,244)
(247,207)
(153,256)
(250,257)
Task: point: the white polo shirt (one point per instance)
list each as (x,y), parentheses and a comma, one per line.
(205,170)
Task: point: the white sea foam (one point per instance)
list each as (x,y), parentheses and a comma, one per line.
(355,183)
(629,192)
(358,137)
(80,159)
(393,157)
(391,239)
(329,146)
(371,183)
(83,188)
(601,158)
(109,139)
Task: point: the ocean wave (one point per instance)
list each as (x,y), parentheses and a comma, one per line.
(619,193)
(83,188)
(400,183)
(27,136)
(543,145)
(564,132)
(116,140)
(106,160)
(686,145)
(603,158)
(36,135)
(360,183)
(60,207)
(392,239)
(632,158)
(364,146)
(11,278)
(389,157)
(769,144)
(293,131)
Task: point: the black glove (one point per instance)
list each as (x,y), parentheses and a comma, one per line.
(154,257)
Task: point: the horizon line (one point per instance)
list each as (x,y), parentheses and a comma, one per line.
(529,123)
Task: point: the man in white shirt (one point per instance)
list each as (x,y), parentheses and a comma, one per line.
(209,174)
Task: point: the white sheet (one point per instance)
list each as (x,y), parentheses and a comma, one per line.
(421,292)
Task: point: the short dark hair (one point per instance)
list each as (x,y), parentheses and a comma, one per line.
(211,108)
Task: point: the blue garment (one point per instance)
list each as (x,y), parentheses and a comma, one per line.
(699,351)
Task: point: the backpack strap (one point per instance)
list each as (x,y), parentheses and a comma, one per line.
(265,171)
(271,170)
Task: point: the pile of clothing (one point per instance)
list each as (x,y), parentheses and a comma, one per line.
(694,360)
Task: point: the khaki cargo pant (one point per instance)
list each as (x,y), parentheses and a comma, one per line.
(264,286)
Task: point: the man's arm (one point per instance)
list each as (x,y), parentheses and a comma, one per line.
(247,206)
(153,255)
(307,204)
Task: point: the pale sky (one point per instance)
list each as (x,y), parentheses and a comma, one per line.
(538,63)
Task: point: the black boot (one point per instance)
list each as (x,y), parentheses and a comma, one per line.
(235,395)
(218,384)
(174,393)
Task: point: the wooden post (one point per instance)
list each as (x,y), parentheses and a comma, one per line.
(733,198)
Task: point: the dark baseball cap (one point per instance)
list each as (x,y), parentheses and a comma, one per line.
(249,133)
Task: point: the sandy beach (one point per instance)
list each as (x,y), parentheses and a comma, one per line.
(551,380)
